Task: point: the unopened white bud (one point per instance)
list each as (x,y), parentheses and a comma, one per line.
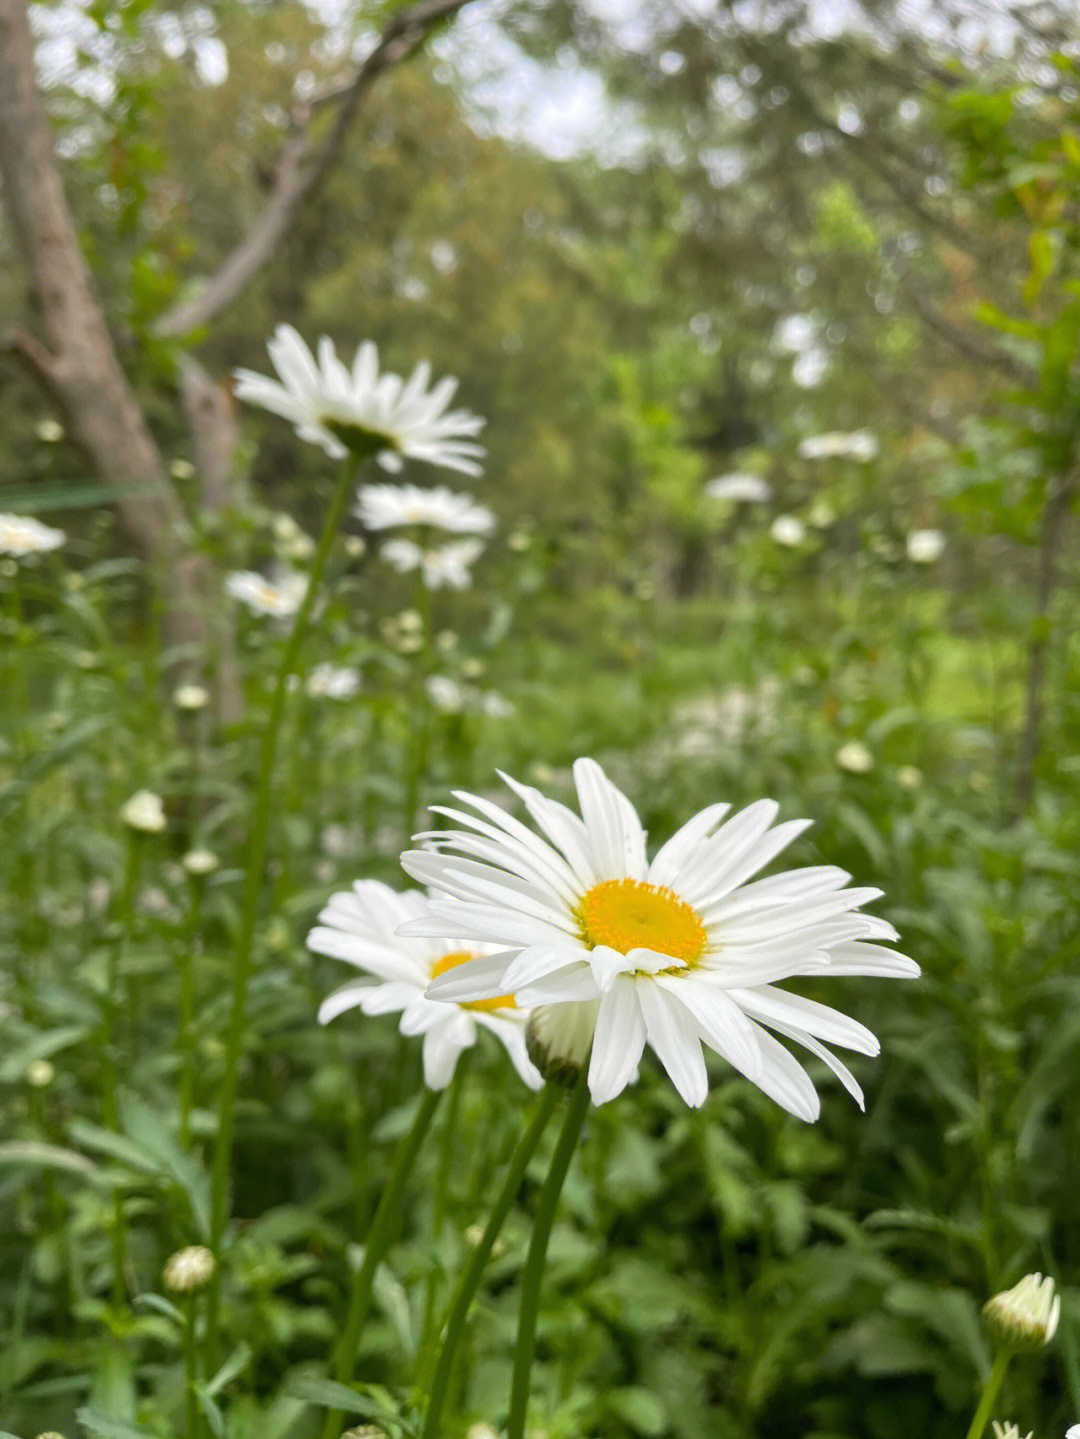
(1026,1316)
(188,1269)
(200,862)
(190,697)
(558,1038)
(144,812)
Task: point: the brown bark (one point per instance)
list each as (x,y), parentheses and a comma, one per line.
(77,360)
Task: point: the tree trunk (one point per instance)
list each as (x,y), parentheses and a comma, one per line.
(78,365)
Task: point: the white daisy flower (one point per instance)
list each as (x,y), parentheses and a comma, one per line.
(1073,1433)
(23,535)
(1012,1431)
(359,927)
(750,489)
(281,597)
(860,445)
(384,507)
(358,409)
(788,530)
(674,953)
(445,565)
(327,681)
(924,547)
(446,694)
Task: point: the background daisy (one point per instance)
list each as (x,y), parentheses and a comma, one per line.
(359,926)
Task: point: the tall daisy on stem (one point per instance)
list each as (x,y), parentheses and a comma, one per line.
(611,952)
(359,927)
(355,415)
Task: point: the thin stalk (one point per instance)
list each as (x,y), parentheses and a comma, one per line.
(989,1394)
(186,1028)
(470,1280)
(449,1138)
(254,864)
(531,1280)
(110,1040)
(378,1241)
(192,1425)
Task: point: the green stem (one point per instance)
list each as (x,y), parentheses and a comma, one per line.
(546,1205)
(191,1371)
(378,1241)
(449,1142)
(110,1109)
(189,944)
(470,1280)
(254,863)
(989,1394)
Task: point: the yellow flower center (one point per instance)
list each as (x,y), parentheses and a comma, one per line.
(627,914)
(462,956)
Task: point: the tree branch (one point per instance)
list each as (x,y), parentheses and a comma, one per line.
(37,358)
(302,166)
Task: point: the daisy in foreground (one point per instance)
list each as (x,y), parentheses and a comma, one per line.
(359,926)
(675,953)
(360,411)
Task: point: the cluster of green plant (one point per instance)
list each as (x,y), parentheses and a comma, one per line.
(727,1271)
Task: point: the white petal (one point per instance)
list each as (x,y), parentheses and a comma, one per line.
(539,961)
(784,1079)
(349,996)
(618,1041)
(843,1074)
(793,886)
(443,1048)
(807,1016)
(679,849)
(562,826)
(480,978)
(719,1021)
(616,838)
(673,1036)
(489,924)
(512,1038)
(576,984)
(856,958)
(794,917)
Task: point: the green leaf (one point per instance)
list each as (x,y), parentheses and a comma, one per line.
(99,1423)
(39,1046)
(330,1395)
(75,739)
(47,1156)
(639,1408)
(236,1363)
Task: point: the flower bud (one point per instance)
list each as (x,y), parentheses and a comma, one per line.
(190,697)
(144,812)
(558,1037)
(188,1269)
(200,862)
(1026,1316)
